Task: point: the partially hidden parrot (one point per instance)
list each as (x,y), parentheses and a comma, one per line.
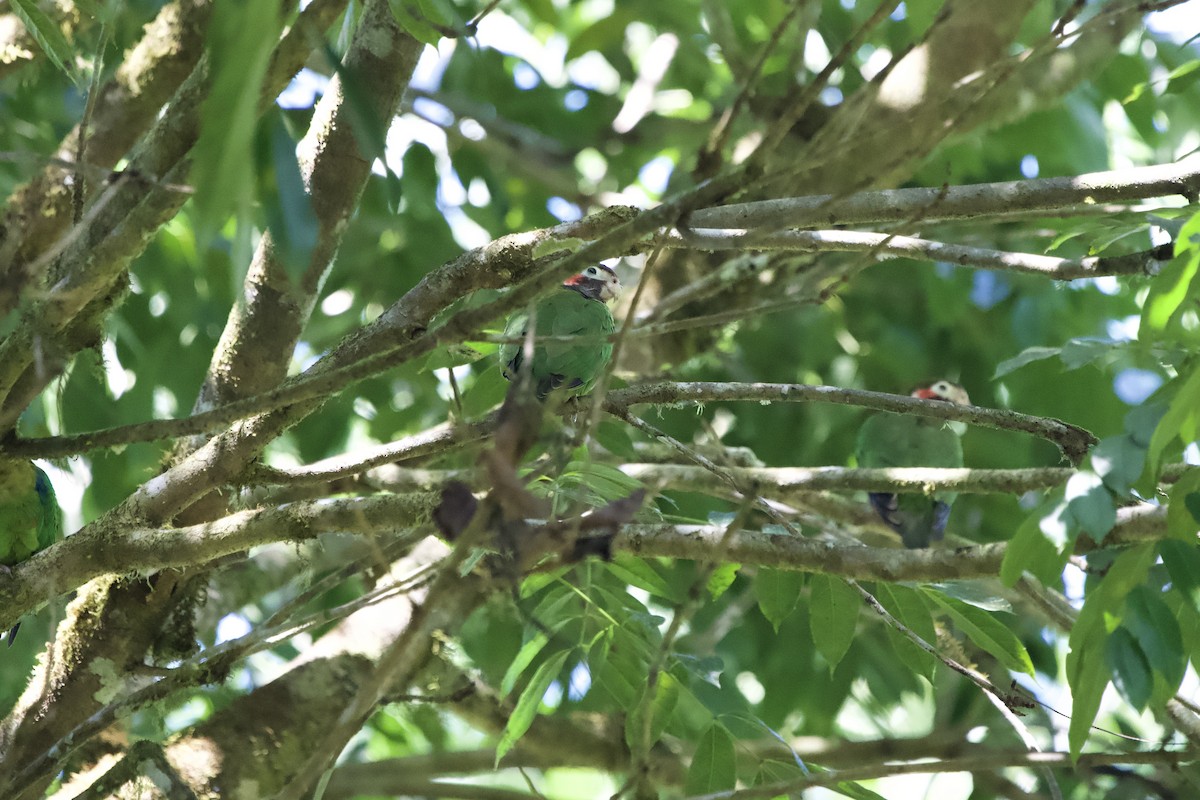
(905,440)
(580,308)
(30,519)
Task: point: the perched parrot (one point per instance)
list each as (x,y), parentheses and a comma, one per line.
(904,440)
(580,309)
(30,519)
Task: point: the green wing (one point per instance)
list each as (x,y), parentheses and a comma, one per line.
(50,524)
(21,512)
(510,354)
(904,440)
(30,519)
(573,366)
(899,440)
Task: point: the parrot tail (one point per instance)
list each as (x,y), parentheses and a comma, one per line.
(916,530)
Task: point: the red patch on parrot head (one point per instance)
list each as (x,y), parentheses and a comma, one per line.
(945,391)
(595,283)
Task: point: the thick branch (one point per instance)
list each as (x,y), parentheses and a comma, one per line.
(885,246)
(102,549)
(973,763)
(957,202)
(783,482)
(1072,440)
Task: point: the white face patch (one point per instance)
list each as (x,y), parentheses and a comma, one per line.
(610,287)
(951,392)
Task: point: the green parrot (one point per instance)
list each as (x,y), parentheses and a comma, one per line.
(30,520)
(904,440)
(579,309)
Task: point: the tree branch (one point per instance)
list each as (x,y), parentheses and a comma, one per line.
(893,246)
(957,202)
(974,763)
(786,482)
(1072,440)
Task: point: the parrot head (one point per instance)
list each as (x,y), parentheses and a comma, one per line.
(945,391)
(595,283)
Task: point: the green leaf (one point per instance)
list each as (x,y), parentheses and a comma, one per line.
(986,631)
(721,579)
(856,791)
(1090,504)
(413,22)
(1091,678)
(636,572)
(523,659)
(975,593)
(1182,77)
(1130,670)
(619,670)
(1026,356)
(1082,351)
(1182,519)
(529,702)
(47,34)
(712,768)
(485,392)
(660,708)
(1180,415)
(1119,461)
(833,616)
(1151,622)
(1087,670)
(1182,560)
(285,201)
(1141,421)
(240,40)
(777,592)
(1174,283)
(1031,549)
(908,606)
(1192,502)
(1168,292)
(615,439)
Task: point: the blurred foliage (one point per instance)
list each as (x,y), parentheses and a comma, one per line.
(512,129)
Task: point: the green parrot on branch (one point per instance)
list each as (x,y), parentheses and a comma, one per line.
(904,440)
(30,520)
(579,309)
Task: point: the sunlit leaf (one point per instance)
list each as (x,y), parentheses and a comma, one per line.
(987,631)
(639,734)
(1090,504)
(1026,356)
(1183,510)
(528,703)
(721,579)
(1032,549)
(1087,670)
(240,42)
(47,34)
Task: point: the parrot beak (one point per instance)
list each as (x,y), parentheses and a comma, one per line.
(611,289)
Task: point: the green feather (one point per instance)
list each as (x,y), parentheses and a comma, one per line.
(570,366)
(30,519)
(905,440)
